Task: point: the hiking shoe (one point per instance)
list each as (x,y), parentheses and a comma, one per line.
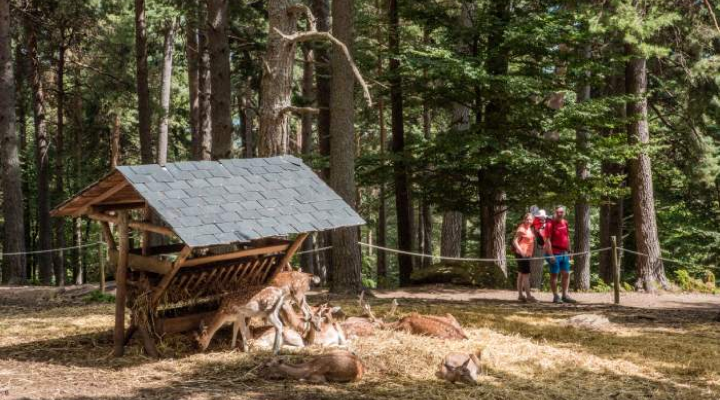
(522,298)
(557,299)
(531,299)
(567,299)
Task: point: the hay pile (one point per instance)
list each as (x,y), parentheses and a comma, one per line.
(527,353)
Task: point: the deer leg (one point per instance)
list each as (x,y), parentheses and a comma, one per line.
(245,332)
(235,328)
(274,319)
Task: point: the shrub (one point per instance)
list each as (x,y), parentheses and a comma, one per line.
(689,284)
(461,273)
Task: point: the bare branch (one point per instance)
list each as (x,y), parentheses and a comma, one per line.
(712,14)
(299,8)
(299,110)
(312,36)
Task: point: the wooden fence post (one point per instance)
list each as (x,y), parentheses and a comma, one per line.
(616,269)
(101,260)
(120,283)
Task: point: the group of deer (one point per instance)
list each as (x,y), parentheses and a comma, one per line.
(319,326)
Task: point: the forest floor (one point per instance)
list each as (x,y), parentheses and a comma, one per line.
(654,346)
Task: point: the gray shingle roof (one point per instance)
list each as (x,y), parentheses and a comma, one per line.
(212,203)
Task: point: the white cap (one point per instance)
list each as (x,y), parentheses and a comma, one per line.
(541,214)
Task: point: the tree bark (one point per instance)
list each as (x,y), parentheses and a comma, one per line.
(222,137)
(321,10)
(403,203)
(496,110)
(582,207)
(451,235)
(165,92)
(13,271)
(192,56)
(203,144)
(651,271)
(59,256)
(77,107)
(41,152)
(143,88)
(115,143)
(347,267)
(307,261)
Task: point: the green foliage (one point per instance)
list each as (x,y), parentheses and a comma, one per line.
(461,273)
(598,285)
(688,283)
(97,296)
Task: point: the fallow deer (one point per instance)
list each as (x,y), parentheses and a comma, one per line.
(368,323)
(326,331)
(459,367)
(335,366)
(297,283)
(264,336)
(236,307)
(429,325)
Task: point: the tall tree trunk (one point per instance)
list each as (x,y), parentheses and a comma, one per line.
(115,142)
(59,256)
(222,138)
(204,137)
(307,261)
(403,203)
(382,218)
(77,116)
(165,90)
(651,271)
(246,123)
(13,271)
(450,239)
(277,77)
(582,207)
(347,271)
(425,218)
(496,118)
(611,209)
(192,56)
(41,152)
(22,70)
(323,73)
(143,88)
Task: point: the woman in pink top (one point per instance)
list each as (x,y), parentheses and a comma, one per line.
(523,245)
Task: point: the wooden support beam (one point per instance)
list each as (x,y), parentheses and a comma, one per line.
(107,233)
(144,263)
(165,281)
(293,248)
(142,226)
(120,280)
(119,206)
(106,195)
(159,250)
(235,255)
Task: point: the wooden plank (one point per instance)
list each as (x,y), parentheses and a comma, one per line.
(165,281)
(142,226)
(292,249)
(208,281)
(134,205)
(236,254)
(144,263)
(120,280)
(107,233)
(198,282)
(104,196)
(162,249)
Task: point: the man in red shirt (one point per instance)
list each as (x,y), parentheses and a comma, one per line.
(557,245)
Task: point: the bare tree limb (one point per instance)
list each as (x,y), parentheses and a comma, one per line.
(712,14)
(312,36)
(299,110)
(300,8)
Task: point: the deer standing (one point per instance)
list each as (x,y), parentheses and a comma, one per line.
(297,283)
(459,367)
(334,366)
(237,307)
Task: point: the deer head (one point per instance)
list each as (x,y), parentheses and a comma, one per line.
(202,337)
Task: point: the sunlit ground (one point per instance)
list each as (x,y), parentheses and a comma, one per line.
(528,352)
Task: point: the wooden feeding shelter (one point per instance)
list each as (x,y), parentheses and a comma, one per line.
(226,225)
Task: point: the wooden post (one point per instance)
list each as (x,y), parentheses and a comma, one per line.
(121,283)
(101,261)
(616,269)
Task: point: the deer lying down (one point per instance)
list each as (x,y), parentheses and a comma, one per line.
(334,366)
(459,367)
(325,331)
(264,337)
(368,323)
(443,327)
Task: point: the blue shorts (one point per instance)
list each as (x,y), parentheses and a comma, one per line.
(562,262)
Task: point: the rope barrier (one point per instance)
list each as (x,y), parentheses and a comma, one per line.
(313,250)
(670,260)
(51,250)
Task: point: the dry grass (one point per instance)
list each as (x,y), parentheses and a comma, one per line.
(528,352)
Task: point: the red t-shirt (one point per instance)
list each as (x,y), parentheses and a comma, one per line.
(559,235)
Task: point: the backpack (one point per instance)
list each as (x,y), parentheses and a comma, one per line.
(539,239)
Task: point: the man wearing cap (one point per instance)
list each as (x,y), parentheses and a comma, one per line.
(557,244)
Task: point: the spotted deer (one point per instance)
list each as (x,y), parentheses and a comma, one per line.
(264,336)
(368,323)
(335,366)
(443,327)
(297,283)
(459,367)
(326,331)
(256,301)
